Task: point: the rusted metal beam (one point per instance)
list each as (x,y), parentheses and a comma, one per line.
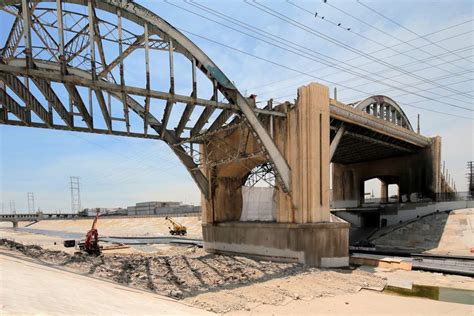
(76,97)
(122,70)
(103,109)
(82,129)
(13,107)
(169,102)
(188,110)
(108,68)
(51,72)
(73,41)
(202,120)
(220,120)
(147,78)
(46,89)
(24,93)
(13,40)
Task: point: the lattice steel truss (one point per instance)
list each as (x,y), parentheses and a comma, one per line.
(262,174)
(82,49)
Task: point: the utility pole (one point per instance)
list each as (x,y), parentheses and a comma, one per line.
(75,194)
(418,125)
(31,202)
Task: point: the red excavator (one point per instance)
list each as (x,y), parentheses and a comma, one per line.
(91,244)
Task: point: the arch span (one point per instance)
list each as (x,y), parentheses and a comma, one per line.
(385,108)
(44,48)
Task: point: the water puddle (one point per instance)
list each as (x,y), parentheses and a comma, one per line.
(443,294)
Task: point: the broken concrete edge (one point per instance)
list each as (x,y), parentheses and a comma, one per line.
(324,244)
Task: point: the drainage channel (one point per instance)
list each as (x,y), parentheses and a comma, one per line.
(443,294)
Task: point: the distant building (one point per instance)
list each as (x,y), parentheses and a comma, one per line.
(90,212)
(162,208)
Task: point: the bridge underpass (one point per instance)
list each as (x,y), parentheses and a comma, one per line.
(71,76)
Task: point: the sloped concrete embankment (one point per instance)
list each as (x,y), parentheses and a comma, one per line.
(450,232)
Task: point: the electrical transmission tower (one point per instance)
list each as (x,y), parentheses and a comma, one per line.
(75,195)
(470,177)
(31,202)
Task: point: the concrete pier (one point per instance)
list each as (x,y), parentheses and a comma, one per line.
(303,230)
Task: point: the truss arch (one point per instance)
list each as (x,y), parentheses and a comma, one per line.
(81,61)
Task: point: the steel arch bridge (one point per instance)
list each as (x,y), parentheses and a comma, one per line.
(82,47)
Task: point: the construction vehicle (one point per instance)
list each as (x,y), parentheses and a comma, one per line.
(177,229)
(91,243)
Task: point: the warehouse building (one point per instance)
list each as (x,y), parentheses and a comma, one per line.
(162,208)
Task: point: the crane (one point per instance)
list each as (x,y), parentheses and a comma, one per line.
(178,229)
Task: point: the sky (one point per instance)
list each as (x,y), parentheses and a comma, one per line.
(420,53)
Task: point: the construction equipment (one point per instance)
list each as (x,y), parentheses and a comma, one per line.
(178,229)
(91,244)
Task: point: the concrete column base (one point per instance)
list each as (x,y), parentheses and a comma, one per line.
(315,244)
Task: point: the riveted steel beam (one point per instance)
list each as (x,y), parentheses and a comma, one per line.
(24,93)
(50,71)
(54,100)
(76,97)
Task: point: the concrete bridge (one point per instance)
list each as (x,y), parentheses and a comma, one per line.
(16,218)
(54,74)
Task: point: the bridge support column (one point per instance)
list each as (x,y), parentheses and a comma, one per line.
(304,230)
(383,191)
(15,224)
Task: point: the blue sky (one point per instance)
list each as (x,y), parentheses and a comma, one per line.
(119,171)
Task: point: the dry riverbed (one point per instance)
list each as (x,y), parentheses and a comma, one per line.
(213,282)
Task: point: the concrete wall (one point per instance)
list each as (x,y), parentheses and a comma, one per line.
(315,244)
(417,173)
(396,214)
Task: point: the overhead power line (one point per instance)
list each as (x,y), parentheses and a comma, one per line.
(383,45)
(393,36)
(311,57)
(292,69)
(330,39)
(402,26)
(409,84)
(380,50)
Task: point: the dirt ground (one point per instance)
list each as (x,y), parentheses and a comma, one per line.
(123,227)
(224,284)
(213,282)
(75,294)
